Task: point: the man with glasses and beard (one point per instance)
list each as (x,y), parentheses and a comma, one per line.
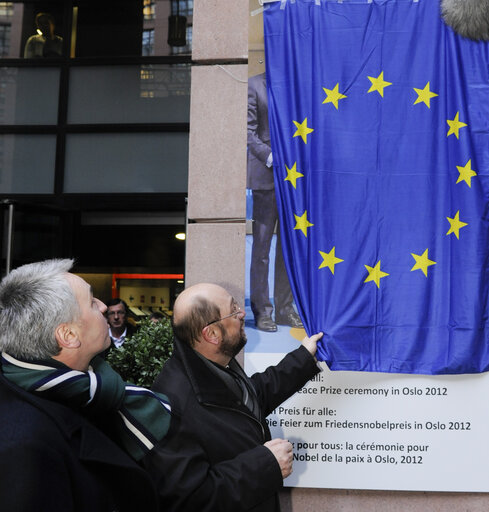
(218,454)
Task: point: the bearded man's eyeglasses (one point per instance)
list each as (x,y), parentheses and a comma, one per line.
(236,311)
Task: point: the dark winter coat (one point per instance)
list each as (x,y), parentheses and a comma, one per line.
(213,458)
(54,459)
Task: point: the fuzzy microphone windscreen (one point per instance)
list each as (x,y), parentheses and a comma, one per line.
(469,18)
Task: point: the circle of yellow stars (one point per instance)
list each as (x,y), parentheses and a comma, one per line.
(424,96)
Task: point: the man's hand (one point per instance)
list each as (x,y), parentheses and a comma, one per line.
(282,450)
(311,343)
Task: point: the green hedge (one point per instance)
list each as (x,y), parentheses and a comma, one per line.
(141,357)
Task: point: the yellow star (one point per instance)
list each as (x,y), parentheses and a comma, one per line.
(375,274)
(293,175)
(329,260)
(466,173)
(302,130)
(456,224)
(333,95)
(455,125)
(422,262)
(378,84)
(424,95)
(302,223)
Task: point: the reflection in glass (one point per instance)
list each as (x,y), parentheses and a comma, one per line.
(148,42)
(6,9)
(108,28)
(155,93)
(123,28)
(126,163)
(26,31)
(38,235)
(27,164)
(182,11)
(186,7)
(182,50)
(172,83)
(4,40)
(6,12)
(29,96)
(149,9)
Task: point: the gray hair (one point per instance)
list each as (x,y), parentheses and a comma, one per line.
(34,300)
(470,18)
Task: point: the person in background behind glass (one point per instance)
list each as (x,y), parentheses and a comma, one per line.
(44,44)
(119,328)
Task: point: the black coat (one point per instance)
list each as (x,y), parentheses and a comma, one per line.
(54,459)
(213,458)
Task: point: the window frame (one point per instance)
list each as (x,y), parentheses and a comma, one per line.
(119,201)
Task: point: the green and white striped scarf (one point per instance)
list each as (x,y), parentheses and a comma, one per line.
(142,417)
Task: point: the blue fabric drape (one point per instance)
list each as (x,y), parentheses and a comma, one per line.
(379,121)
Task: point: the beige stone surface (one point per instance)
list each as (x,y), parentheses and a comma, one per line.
(217,151)
(216,254)
(331,500)
(220,29)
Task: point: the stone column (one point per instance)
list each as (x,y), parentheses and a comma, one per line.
(217,151)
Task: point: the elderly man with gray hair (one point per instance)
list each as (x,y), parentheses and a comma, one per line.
(71,430)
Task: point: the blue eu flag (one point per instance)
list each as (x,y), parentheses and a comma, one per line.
(379,120)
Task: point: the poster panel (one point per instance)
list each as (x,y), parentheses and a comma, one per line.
(357,430)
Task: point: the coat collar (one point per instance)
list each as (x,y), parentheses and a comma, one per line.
(206,384)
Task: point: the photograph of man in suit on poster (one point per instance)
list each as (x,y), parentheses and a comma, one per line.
(265,222)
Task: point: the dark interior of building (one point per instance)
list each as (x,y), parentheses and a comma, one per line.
(94,134)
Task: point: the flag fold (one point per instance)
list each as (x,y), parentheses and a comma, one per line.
(379,121)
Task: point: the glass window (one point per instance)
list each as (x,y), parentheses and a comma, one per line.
(29,96)
(181,50)
(126,163)
(122,28)
(182,7)
(4,40)
(38,236)
(157,243)
(31,29)
(87,28)
(148,42)
(155,93)
(44,40)
(6,9)
(149,9)
(27,164)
